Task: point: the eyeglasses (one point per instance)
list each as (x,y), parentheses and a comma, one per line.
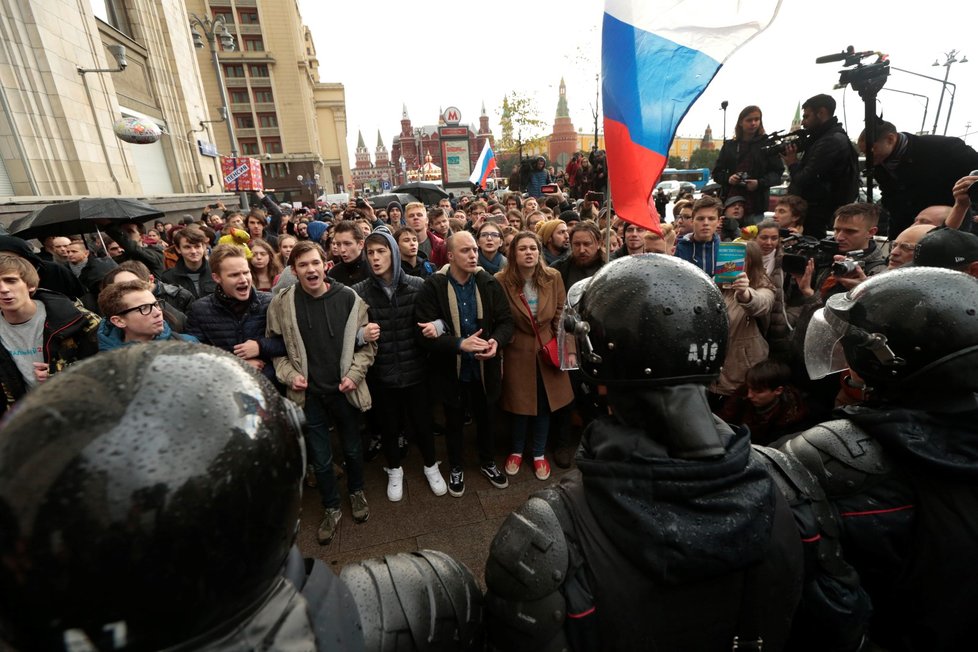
(145,309)
(905,246)
(490,236)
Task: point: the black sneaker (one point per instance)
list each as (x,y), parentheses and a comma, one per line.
(497,479)
(456,482)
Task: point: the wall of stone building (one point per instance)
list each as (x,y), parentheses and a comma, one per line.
(56,137)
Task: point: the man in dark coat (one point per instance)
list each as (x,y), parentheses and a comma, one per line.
(914,172)
(465,321)
(827,176)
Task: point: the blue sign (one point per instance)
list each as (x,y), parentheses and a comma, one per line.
(385,185)
(207,149)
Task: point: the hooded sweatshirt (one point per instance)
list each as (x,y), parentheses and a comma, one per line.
(701,254)
(111,336)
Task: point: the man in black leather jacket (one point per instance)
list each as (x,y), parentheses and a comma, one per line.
(827,176)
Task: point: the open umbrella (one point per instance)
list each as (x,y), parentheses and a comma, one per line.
(426,192)
(81,216)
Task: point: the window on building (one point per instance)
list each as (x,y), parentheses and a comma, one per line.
(248,146)
(244,121)
(233,70)
(258,70)
(248,17)
(224,15)
(239,96)
(267,120)
(113,12)
(272,145)
(263,96)
(255,44)
(275,170)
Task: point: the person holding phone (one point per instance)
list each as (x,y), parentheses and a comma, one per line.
(538,178)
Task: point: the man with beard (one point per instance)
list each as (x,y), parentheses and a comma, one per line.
(324,364)
(585,257)
(827,177)
(233,317)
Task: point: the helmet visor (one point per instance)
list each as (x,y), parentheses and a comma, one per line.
(823,345)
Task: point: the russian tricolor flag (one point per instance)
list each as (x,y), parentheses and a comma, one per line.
(483,167)
(657,58)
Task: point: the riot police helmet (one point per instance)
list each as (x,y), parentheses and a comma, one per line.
(149,496)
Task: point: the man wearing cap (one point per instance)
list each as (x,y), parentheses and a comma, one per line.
(950,249)
(733,213)
(553,235)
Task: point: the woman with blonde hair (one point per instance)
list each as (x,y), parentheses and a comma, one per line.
(532,387)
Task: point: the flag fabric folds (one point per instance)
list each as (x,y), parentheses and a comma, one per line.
(483,167)
(657,58)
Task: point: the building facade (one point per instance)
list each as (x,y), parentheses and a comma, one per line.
(684,146)
(280,110)
(372,176)
(415,144)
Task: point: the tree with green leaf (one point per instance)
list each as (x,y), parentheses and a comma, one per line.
(520,123)
(675,163)
(704,158)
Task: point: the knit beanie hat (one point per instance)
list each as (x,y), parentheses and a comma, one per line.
(546,229)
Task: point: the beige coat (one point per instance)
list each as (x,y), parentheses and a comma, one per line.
(746,345)
(521,358)
(354,362)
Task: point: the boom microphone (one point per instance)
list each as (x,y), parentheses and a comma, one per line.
(841,56)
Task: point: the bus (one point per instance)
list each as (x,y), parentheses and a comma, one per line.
(699,177)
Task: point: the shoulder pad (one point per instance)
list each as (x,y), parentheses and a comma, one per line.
(528,556)
(843,457)
(794,480)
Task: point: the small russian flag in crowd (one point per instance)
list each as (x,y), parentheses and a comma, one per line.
(483,167)
(657,58)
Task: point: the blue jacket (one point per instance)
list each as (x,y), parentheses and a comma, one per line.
(701,254)
(212,323)
(111,337)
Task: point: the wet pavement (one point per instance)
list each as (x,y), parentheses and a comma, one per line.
(461,527)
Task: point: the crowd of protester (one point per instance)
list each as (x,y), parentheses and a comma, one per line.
(390,323)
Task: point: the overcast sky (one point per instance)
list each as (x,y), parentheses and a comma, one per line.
(437,53)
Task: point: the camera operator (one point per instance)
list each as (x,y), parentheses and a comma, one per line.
(915,172)
(745,169)
(827,176)
(858,256)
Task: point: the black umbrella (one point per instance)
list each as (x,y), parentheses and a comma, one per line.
(81,216)
(427,193)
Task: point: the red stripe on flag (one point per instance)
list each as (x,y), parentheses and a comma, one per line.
(632,173)
(487,170)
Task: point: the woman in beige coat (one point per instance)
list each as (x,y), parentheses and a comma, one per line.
(749,299)
(532,388)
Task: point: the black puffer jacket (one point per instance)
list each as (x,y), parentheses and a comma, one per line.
(178,276)
(400,360)
(212,322)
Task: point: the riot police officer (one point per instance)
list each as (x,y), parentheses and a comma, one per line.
(149,499)
(671,535)
(899,473)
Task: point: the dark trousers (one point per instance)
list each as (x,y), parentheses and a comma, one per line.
(390,403)
(473,395)
(320,410)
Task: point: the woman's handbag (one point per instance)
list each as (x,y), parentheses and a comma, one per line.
(548,351)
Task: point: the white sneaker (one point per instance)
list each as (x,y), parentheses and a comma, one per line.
(435,481)
(395,484)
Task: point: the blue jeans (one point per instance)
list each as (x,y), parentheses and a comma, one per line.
(319,410)
(540,423)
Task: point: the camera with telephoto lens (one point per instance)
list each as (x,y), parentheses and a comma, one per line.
(777,141)
(799,249)
(851,263)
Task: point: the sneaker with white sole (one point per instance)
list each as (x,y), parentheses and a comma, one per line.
(456,482)
(435,481)
(496,479)
(395,484)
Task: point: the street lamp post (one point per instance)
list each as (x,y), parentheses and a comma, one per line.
(312,183)
(213,30)
(950,58)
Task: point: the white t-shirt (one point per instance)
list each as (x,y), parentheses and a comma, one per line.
(25,342)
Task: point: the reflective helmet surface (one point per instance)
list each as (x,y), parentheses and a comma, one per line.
(147,496)
(915,327)
(652,319)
